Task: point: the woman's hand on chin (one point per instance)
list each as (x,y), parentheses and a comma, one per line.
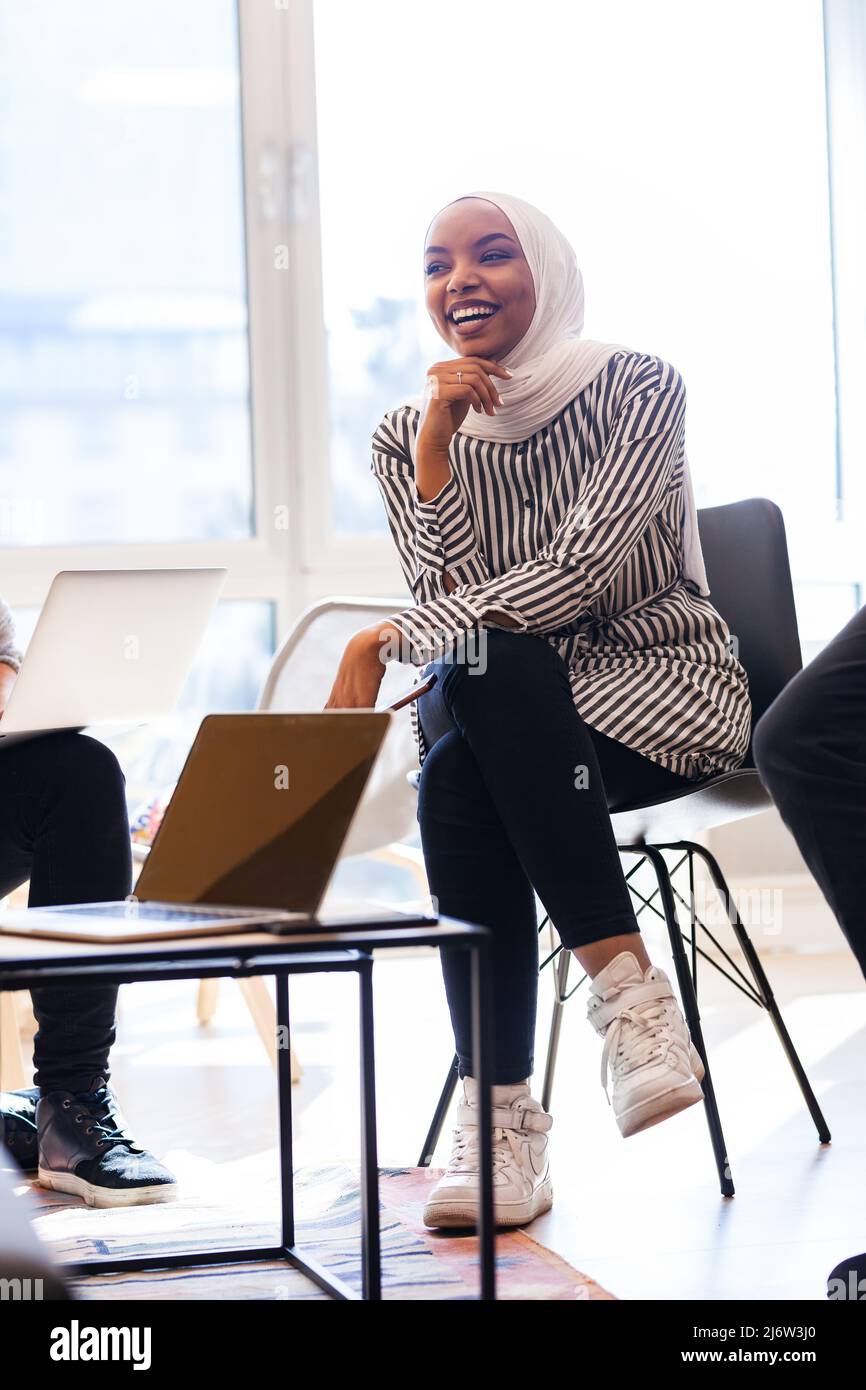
(359,675)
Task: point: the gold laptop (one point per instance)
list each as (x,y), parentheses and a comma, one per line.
(250,838)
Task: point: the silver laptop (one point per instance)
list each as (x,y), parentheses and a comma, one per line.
(250,838)
(110,647)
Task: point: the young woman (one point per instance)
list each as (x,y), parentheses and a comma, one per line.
(539,497)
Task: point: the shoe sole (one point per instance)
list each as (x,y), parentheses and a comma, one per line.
(465,1214)
(105,1196)
(658,1108)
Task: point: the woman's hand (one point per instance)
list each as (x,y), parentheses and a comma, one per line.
(447,400)
(359,675)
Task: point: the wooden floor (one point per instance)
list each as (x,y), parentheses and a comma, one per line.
(643,1216)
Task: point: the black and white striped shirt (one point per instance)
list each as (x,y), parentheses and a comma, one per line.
(576,535)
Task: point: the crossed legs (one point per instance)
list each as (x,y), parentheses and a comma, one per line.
(512,801)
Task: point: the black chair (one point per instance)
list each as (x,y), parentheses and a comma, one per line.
(746,559)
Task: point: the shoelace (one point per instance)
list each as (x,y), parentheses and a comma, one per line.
(654,1037)
(466,1156)
(100,1125)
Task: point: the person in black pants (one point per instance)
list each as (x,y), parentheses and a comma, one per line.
(810,750)
(514,799)
(64,825)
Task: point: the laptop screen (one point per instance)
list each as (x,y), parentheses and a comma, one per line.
(262,808)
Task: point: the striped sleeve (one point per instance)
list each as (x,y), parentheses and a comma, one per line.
(446,539)
(9,653)
(621,492)
(434,537)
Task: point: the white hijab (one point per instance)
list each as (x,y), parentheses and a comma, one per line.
(551,363)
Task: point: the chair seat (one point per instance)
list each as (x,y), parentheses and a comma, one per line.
(727,797)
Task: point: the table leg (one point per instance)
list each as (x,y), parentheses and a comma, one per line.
(284,1096)
(482,1054)
(370,1237)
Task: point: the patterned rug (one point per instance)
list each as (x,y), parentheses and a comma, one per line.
(417,1263)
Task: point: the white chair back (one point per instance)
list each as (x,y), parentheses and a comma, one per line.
(300,679)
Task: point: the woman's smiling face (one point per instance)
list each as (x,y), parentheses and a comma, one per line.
(473,256)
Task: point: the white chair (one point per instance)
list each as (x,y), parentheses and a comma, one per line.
(300,679)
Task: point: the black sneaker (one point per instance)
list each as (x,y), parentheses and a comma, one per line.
(85,1150)
(18,1126)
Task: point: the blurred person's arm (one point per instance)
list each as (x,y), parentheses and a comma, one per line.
(10,657)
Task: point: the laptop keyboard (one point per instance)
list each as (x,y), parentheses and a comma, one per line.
(144,912)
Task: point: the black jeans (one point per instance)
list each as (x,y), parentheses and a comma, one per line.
(64,825)
(515,795)
(810,750)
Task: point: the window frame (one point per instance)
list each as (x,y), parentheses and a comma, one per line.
(832,552)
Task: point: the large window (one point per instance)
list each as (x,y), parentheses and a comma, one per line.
(211,227)
(124,412)
(128,252)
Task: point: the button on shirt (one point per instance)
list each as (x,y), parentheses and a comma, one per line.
(575,535)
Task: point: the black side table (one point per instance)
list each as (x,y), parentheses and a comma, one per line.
(28,963)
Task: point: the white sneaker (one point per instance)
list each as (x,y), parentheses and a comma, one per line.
(522,1188)
(655,1067)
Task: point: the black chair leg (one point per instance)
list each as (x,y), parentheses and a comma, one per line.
(690,1009)
(763,986)
(439,1114)
(561,976)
